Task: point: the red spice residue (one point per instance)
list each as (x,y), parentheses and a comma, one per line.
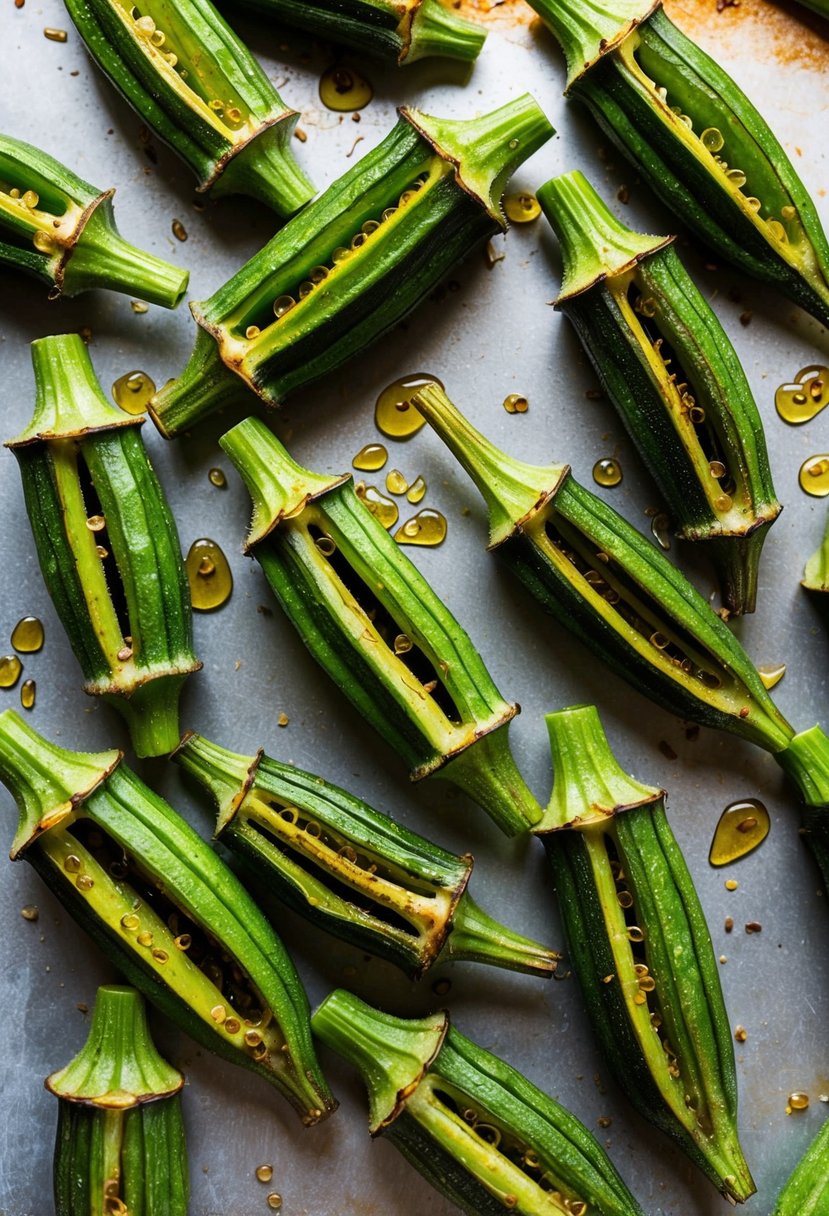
(496,13)
(785,31)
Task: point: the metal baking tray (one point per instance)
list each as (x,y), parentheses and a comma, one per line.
(492,335)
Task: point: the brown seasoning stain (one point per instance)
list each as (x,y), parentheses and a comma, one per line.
(782,31)
(506,14)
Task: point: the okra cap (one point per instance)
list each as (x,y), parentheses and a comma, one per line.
(589,29)
(226,775)
(436,30)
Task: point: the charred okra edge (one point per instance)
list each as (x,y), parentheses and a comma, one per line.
(120,1135)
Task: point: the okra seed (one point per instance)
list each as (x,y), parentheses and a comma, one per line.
(55,35)
(740,1034)
(102,551)
(264,1173)
(313,829)
(14,192)
(125,653)
(388,213)
(160,955)
(72,864)
(640,969)
(232,1025)
(31,199)
(659,640)
(662,94)
(217,478)
(326,545)
(145,938)
(647,307)
(253,1038)
(340,254)
(321,272)
(84,882)
(647,983)
(358,240)
(252,331)
(43,242)
(723,502)
(289,813)
(635,934)
(370,226)
(183,942)
(488,1133)
(516,403)
(513,143)
(712,139)
(788,212)
(612,596)
(696,414)
(233,114)
(736,177)
(625,899)
(130,921)
(215,104)
(218,1013)
(283,304)
(145,26)
(639,998)
(777,230)
(753,204)
(179,231)
(717,469)
(798,1100)
(158,37)
(306,288)
(402,644)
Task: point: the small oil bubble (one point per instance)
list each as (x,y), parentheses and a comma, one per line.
(516,403)
(659,527)
(607,472)
(428,528)
(771,673)
(28,692)
(27,635)
(797,1101)
(416,491)
(394,414)
(805,397)
(342,89)
(208,574)
(814,476)
(10,669)
(382,508)
(274,1201)
(743,826)
(370,458)
(522,208)
(217,478)
(179,231)
(396,483)
(264,1173)
(132,392)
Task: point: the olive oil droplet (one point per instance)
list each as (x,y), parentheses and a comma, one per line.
(342,89)
(771,674)
(217,478)
(370,458)
(742,827)
(382,508)
(132,392)
(394,414)
(416,491)
(805,397)
(264,1173)
(607,472)
(814,476)
(428,528)
(28,692)
(797,1101)
(27,635)
(659,528)
(522,208)
(516,403)
(10,669)
(396,483)
(209,575)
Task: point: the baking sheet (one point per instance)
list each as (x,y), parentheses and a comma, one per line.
(494,334)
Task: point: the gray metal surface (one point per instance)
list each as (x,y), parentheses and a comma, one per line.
(492,336)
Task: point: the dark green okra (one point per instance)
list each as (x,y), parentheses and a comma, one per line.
(589,568)
(194,83)
(400,30)
(376,626)
(696,139)
(107,545)
(54,225)
(356,261)
(807,1191)
(165,909)
(350,869)
(478,1131)
(666,363)
(120,1144)
(640,947)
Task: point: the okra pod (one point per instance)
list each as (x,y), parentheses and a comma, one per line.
(816,571)
(376,626)
(355,261)
(165,909)
(60,229)
(806,1193)
(696,139)
(107,544)
(668,367)
(350,869)
(641,950)
(589,568)
(478,1131)
(397,30)
(198,87)
(120,1144)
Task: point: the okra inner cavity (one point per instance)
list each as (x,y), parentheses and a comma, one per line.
(40,215)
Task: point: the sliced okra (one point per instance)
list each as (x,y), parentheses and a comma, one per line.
(355,261)
(589,568)
(164,908)
(806,1192)
(194,83)
(399,30)
(376,626)
(641,950)
(350,869)
(478,1131)
(54,225)
(666,363)
(107,544)
(696,139)
(120,1145)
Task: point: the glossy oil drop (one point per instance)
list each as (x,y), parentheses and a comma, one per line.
(742,827)
(382,508)
(522,208)
(803,399)
(133,392)
(370,458)
(27,635)
(342,89)
(427,528)
(208,574)
(394,414)
(607,472)
(814,476)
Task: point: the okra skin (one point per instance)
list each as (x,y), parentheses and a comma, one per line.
(164,908)
(194,83)
(59,228)
(375,625)
(397,30)
(641,950)
(355,261)
(350,869)
(120,1135)
(477,1130)
(806,1192)
(82,463)
(816,572)
(617,60)
(667,365)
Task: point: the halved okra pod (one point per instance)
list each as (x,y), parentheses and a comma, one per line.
(376,626)
(194,83)
(57,227)
(355,261)
(107,545)
(696,139)
(400,30)
(478,1131)
(120,1146)
(641,950)
(806,1193)
(350,869)
(620,595)
(667,365)
(165,909)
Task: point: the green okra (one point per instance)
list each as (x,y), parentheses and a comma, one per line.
(600,578)
(58,227)
(198,87)
(355,261)
(816,571)
(667,364)
(478,1131)
(696,139)
(107,544)
(350,869)
(376,626)
(397,30)
(817,6)
(806,1192)
(641,950)
(120,1145)
(164,908)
